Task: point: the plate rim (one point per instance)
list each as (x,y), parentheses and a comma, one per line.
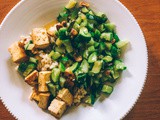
(21,2)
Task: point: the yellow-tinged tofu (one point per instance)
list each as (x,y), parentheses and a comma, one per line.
(35,95)
(57,108)
(40,38)
(43,100)
(65,96)
(31,78)
(43,77)
(52,30)
(17,53)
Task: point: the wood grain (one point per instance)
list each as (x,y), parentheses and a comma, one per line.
(147,13)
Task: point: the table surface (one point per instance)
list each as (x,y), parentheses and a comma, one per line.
(147,13)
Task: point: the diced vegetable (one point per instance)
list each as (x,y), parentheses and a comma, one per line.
(90,100)
(29,69)
(93,57)
(119,65)
(62,81)
(121,44)
(33,60)
(71,4)
(97,67)
(84,35)
(107,36)
(68,46)
(55,75)
(73,67)
(107,58)
(63,34)
(107,89)
(62,67)
(110,27)
(52,89)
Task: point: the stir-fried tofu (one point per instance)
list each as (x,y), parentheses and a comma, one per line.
(40,38)
(35,95)
(52,30)
(18,54)
(43,100)
(31,78)
(65,96)
(43,77)
(57,108)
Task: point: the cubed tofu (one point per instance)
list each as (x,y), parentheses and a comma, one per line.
(43,100)
(52,30)
(43,77)
(17,53)
(65,96)
(57,108)
(40,38)
(35,95)
(31,78)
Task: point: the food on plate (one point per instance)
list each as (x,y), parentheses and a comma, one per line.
(72,61)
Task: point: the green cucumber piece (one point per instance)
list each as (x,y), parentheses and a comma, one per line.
(97,67)
(110,27)
(90,99)
(52,88)
(121,43)
(55,75)
(62,67)
(29,69)
(62,81)
(68,45)
(71,4)
(107,59)
(33,60)
(93,57)
(73,67)
(84,35)
(63,34)
(107,36)
(119,65)
(107,89)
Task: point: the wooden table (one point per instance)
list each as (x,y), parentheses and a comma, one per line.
(147,13)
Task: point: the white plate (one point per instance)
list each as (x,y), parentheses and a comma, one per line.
(34,13)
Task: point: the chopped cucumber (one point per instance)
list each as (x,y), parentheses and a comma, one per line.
(110,27)
(62,67)
(68,45)
(33,60)
(107,59)
(119,65)
(92,58)
(29,69)
(97,67)
(73,67)
(84,35)
(121,44)
(62,81)
(107,36)
(71,4)
(107,89)
(52,88)
(55,75)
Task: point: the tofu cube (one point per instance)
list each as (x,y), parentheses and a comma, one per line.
(52,30)
(43,100)
(40,38)
(57,108)
(31,78)
(17,53)
(65,96)
(43,77)
(35,95)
